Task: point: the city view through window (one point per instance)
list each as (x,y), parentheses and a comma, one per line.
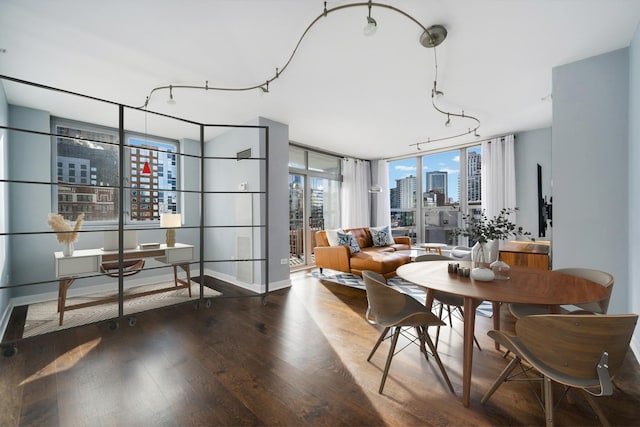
(429,208)
(87,163)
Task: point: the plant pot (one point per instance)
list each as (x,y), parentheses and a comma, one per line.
(483,254)
(67,249)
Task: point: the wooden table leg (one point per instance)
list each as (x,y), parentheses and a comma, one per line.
(186,283)
(429,300)
(496,319)
(467,358)
(63,285)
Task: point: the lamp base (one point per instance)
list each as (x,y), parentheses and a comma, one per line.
(171,238)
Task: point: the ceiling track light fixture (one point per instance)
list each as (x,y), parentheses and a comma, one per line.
(372,25)
(171,101)
(430,38)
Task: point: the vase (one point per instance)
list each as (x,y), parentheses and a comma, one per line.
(483,254)
(67,248)
(501,270)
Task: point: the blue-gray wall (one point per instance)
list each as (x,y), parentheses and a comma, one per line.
(633,252)
(590,151)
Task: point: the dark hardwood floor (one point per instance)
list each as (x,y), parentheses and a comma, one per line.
(298,360)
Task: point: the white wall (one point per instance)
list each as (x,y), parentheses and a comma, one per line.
(532,148)
(590,151)
(633,253)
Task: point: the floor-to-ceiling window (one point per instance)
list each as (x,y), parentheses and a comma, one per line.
(314,200)
(428,194)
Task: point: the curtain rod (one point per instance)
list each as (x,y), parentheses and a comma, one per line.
(443,149)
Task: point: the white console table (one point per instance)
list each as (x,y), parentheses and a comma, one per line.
(88,261)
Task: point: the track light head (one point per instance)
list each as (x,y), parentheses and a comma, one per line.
(372,25)
(171,101)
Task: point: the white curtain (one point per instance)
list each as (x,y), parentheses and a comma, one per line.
(355,193)
(498,175)
(382,199)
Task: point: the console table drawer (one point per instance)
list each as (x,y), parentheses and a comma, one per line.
(73,266)
(177,255)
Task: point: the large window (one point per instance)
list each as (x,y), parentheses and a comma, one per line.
(314,200)
(428,194)
(87,164)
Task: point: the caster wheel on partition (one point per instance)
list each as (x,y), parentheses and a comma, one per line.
(264,300)
(197,305)
(207,303)
(113,325)
(132,321)
(9,350)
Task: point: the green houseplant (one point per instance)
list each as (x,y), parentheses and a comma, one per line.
(483,231)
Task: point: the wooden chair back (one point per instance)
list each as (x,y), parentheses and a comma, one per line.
(603,278)
(567,348)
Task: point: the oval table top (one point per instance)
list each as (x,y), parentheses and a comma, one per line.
(525,285)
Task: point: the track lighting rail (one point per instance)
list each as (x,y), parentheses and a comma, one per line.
(431,37)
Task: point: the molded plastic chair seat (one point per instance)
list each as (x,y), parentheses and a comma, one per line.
(580,351)
(390,308)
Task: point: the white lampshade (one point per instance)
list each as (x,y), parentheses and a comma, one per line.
(170,220)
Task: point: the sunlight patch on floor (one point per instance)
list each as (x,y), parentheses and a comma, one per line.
(64,362)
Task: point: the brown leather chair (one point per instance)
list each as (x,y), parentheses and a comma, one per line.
(582,351)
(390,308)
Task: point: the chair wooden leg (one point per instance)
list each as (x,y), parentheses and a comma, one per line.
(392,349)
(548,402)
(423,348)
(596,408)
(439,362)
(438,328)
(501,378)
(380,339)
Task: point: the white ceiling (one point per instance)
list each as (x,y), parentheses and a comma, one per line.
(344,92)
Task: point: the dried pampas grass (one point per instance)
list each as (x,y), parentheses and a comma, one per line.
(64,232)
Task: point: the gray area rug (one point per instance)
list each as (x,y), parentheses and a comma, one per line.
(43,317)
(417,292)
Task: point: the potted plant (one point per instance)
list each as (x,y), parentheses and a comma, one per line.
(65,234)
(486,233)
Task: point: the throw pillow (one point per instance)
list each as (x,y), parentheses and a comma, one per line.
(347,239)
(381,236)
(332,236)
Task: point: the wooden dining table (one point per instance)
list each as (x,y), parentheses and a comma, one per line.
(525,285)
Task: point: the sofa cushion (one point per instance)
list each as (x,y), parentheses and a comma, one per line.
(332,236)
(381,236)
(347,239)
(380,262)
(362,235)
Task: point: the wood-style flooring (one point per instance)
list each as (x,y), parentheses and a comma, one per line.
(299,359)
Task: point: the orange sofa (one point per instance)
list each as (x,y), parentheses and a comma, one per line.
(381,259)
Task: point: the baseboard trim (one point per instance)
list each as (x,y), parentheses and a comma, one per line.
(253,287)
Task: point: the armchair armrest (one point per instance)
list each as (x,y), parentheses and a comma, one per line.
(333,257)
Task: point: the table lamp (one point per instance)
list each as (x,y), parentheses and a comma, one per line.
(170,222)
